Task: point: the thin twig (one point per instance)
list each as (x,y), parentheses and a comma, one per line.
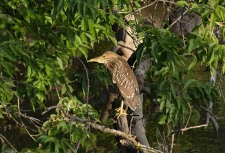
(122,45)
(208,110)
(88,84)
(18,104)
(78,146)
(30,118)
(178,18)
(22,124)
(192,127)
(57,91)
(50,108)
(6,109)
(172,142)
(189,115)
(8,142)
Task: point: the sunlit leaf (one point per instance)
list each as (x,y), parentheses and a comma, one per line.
(59,4)
(9,83)
(113,40)
(188,83)
(182,3)
(84,51)
(6,18)
(63,89)
(60,63)
(162,120)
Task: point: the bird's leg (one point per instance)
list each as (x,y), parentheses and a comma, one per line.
(120,111)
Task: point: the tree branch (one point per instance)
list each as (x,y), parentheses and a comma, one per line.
(192,127)
(104,129)
(4,139)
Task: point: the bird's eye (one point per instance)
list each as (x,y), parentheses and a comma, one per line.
(103,56)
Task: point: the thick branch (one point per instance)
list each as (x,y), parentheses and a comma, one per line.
(105,113)
(104,129)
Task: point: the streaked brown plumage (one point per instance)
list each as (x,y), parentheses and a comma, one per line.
(122,76)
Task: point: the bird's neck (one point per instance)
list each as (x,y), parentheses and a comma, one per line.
(112,65)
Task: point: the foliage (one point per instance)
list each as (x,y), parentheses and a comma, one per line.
(60,134)
(174,59)
(39,39)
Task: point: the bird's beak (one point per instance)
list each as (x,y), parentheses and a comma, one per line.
(97,59)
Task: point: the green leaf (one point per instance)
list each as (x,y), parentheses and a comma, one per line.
(48,19)
(179,102)
(84,9)
(173,89)
(28,71)
(63,126)
(84,51)
(140,52)
(136,3)
(8,68)
(162,120)
(193,63)
(162,104)
(64,89)
(188,83)
(212,21)
(6,18)
(46,124)
(91,29)
(191,45)
(70,146)
(9,83)
(205,14)
(112,19)
(223,68)
(113,40)
(24,2)
(48,70)
(70,88)
(163,84)
(60,63)
(84,24)
(59,5)
(77,40)
(100,27)
(182,3)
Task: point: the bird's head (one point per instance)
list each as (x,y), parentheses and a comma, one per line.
(104,58)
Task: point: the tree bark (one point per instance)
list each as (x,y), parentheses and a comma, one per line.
(138,128)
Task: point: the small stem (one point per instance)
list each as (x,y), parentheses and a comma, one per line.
(88,84)
(8,142)
(172,142)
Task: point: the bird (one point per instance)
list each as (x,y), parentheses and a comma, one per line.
(123,76)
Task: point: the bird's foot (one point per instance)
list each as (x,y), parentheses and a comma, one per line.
(120,111)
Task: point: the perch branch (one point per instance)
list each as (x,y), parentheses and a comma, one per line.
(104,129)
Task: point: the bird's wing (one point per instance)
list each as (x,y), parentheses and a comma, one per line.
(127,83)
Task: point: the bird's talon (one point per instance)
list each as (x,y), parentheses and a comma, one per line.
(120,111)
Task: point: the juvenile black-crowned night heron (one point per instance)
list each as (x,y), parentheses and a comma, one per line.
(122,76)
